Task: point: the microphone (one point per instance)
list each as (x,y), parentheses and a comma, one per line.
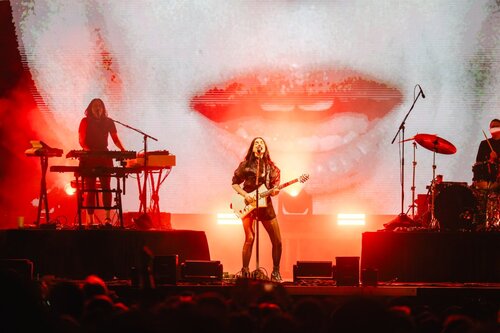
(423,95)
(258,154)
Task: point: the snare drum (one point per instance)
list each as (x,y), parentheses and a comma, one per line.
(485,175)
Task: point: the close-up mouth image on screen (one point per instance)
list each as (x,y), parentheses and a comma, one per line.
(251,142)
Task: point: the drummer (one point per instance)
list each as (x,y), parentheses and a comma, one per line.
(486,167)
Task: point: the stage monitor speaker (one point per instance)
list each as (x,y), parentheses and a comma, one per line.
(201,270)
(312,270)
(166,269)
(369,277)
(23,267)
(347,271)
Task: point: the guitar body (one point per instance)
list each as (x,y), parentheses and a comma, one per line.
(241,208)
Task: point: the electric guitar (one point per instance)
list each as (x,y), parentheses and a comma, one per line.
(242,208)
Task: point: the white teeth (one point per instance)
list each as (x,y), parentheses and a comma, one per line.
(312,143)
(363,147)
(277,107)
(308,143)
(318,106)
(336,166)
(327,136)
(354,122)
(349,137)
(330,142)
(318,144)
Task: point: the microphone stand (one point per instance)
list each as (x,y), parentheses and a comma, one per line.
(258,273)
(143,206)
(402,219)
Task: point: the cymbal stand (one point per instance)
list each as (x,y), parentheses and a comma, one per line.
(412,206)
(434,222)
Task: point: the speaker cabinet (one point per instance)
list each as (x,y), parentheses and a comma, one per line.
(201,270)
(347,271)
(312,270)
(166,269)
(369,277)
(23,267)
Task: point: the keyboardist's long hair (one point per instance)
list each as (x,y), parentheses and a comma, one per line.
(89,110)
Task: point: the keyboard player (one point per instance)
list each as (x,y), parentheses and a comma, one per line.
(93,134)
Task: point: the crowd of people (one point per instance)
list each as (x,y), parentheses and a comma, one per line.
(252,306)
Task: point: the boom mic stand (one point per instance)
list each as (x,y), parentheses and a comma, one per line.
(402,219)
(143,206)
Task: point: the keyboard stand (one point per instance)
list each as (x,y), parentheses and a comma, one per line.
(44,201)
(117,191)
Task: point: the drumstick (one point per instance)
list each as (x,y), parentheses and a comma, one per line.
(489,144)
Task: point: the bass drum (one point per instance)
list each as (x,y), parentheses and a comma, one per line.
(454,207)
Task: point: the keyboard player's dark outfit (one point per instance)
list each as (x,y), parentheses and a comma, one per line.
(93,133)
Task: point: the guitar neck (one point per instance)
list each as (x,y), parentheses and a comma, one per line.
(279,187)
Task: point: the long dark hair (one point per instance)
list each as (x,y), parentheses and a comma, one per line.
(250,156)
(88,110)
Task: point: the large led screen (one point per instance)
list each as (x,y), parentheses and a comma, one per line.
(327,84)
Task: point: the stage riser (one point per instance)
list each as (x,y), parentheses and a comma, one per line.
(433,256)
(75,254)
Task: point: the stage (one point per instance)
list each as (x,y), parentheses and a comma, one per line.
(397,256)
(427,256)
(109,253)
(432,268)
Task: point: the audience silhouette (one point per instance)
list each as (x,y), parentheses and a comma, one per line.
(253,307)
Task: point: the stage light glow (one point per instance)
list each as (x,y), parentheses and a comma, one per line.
(227,218)
(297,202)
(351,219)
(69,189)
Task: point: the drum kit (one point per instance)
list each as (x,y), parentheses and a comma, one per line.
(455,206)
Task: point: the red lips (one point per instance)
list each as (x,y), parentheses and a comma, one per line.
(296,96)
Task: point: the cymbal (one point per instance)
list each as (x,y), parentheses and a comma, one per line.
(435,143)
